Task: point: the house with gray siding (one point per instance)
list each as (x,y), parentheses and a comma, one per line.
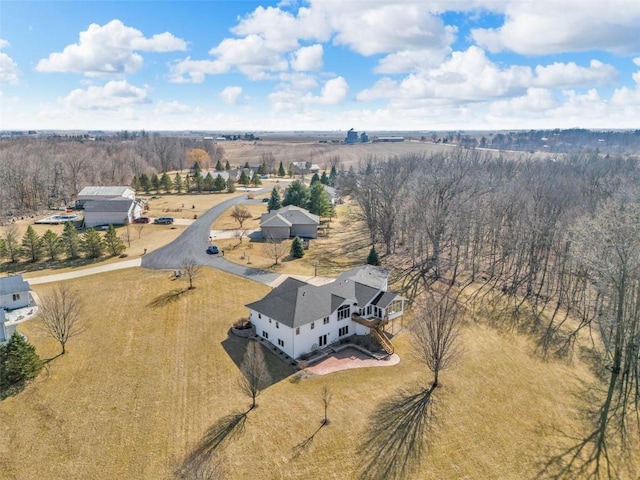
(298,318)
(289,221)
(14,294)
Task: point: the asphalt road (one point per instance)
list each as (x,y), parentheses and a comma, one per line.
(193,242)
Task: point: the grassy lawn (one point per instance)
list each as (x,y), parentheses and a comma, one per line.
(154,372)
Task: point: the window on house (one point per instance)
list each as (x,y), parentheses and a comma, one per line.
(265,334)
(368,309)
(395,307)
(16,296)
(269,320)
(312,325)
(277,325)
(297,330)
(259,315)
(343,331)
(281,343)
(344,311)
(325,320)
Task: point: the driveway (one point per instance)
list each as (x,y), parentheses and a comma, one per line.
(193,242)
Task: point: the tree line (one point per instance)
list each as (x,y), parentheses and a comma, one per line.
(549,247)
(70,244)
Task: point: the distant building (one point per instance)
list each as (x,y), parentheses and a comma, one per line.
(364,138)
(388,139)
(352,137)
(88,194)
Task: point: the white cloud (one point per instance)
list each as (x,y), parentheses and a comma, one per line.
(112,96)
(572,75)
(172,108)
(307,59)
(194,71)
(108,49)
(534,102)
(230,95)
(9,71)
(334,91)
(549,26)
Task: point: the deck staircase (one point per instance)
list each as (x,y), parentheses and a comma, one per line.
(375,326)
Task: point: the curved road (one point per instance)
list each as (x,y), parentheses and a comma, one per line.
(193,242)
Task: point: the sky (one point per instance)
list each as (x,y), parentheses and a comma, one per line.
(326,65)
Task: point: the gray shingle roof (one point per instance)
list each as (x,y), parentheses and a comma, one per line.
(105,191)
(294,215)
(295,303)
(13,284)
(115,205)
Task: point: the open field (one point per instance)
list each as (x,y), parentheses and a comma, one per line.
(154,371)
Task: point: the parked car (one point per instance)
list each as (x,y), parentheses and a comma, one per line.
(212,250)
(164,220)
(141,220)
(265,200)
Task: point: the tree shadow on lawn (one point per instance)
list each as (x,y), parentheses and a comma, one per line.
(202,457)
(277,367)
(168,297)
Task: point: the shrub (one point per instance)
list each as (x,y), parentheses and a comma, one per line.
(297,249)
(19,363)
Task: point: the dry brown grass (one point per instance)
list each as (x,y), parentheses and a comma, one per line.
(139,389)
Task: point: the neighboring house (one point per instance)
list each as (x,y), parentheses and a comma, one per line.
(301,168)
(111,212)
(89,194)
(298,317)
(333,195)
(289,222)
(14,294)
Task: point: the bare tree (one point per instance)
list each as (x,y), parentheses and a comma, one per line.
(191,270)
(326,396)
(61,313)
(436,333)
(139,228)
(240,214)
(274,249)
(255,376)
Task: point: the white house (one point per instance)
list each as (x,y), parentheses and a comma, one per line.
(14,294)
(92,194)
(289,221)
(111,212)
(298,317)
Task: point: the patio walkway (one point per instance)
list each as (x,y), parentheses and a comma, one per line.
(350,358)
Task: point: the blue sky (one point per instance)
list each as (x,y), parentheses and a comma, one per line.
(320,65)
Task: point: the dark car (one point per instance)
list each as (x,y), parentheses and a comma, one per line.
(265,200)
(141,220)
(212,250)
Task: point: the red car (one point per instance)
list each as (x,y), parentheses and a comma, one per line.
(141,220)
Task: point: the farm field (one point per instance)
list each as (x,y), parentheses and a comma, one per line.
(153,372)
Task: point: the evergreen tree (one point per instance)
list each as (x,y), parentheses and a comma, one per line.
(113,243)
(166,183)
(314,178)
(31,244)
(281,172)
(51,243)
(219,166)
(246,164)
(197,169)
(3,248)
(177,183)
(145,183)
(71,240)
(208,183)
(187,184)
(332,176)
(219,183)
(297,194)
(19,363)
(275,203)
(373,258)
(198,182)
(244,179)
(319,201)
(92,244)
(262,169)
(297,249)
(324,179)
(155,183)
(255,180)
(290,170)
(135,184)
(11,244)
(231,185)
(227,166)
